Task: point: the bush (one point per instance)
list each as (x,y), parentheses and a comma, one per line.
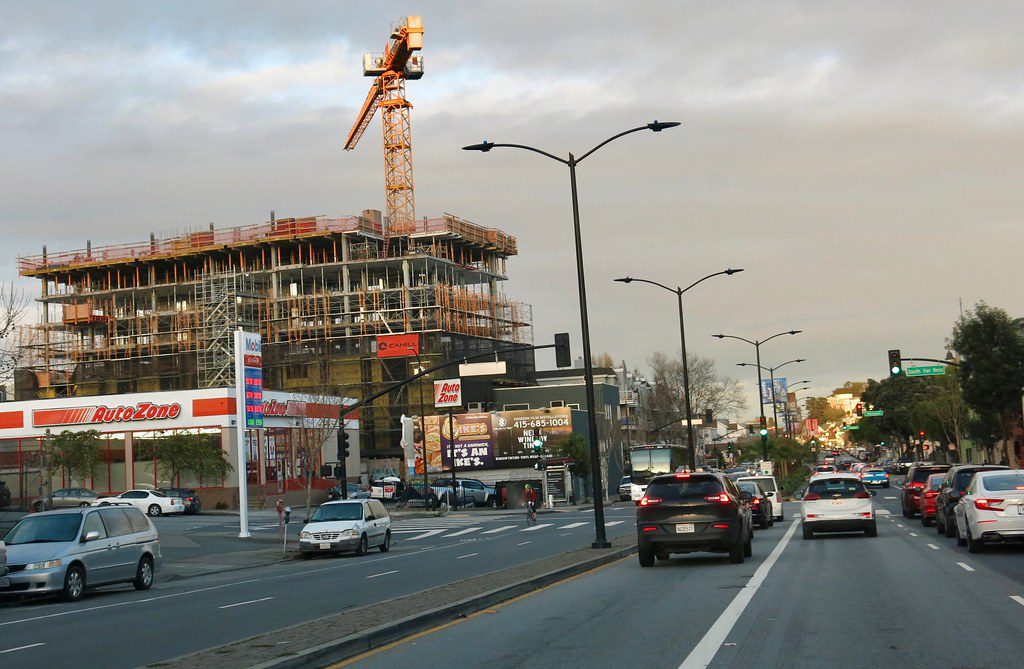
(221,505)
(795,479)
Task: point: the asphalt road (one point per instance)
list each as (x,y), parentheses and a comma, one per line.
(118,627)
(907,598)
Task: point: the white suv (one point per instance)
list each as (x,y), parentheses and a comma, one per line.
(991,509)
(771,488)
(838,503)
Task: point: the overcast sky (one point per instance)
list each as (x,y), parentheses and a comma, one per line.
(862,161)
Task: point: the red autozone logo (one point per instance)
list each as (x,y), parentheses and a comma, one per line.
(105,414)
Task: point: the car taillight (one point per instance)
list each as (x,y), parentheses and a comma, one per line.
(931,493)
(988,504)
(721,526)
(866,514)
(812,497)
(683,475)
(756,501)
(914,486)
(649,501)
(649,528)
(720,498)
(863,494)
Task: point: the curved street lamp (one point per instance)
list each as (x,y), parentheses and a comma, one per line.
(601,540)
(775,404)
(690,442)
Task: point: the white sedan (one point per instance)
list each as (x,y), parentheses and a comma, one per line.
(837,503)
(991,509)
(149,502)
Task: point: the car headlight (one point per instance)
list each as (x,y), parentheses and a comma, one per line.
(50,564)
(304,535)
(350,533)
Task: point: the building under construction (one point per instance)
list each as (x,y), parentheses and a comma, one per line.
(159,314)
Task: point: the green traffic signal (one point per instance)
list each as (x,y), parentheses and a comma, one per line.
(763,432)
(537,444)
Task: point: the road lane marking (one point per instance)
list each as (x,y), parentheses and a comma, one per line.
(251,601)
(1018,599)
(572,525)
(31,645)
(899,526)
(461,532)
(536,527)
(423,535)
(466,556)
(933,547)
(523,543)
(383,573)
(704,652)
(914,535)
(614,522)
(889,497)
(565,534)
(882,512)
(966,566)
(500,529)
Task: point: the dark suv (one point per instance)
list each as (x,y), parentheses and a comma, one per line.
(953,486)
(188,496)
(687,512)
(913,486)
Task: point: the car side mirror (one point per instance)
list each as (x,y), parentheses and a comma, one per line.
(92,535)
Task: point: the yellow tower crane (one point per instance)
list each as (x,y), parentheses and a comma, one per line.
(398,62)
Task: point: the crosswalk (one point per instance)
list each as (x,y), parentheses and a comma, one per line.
(416,529)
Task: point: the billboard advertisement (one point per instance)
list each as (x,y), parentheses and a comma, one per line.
(781,391)
(397,346)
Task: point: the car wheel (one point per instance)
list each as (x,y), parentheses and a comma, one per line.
(885,485)
(39,507)
(386,546)
(748,548)
(74,584)
(361,548)
(144,574)
(927,522)
(83,504)
(973,545)
(771,521)
(764,523)
(808,533)
(104,503)
(661,556)
(872,530)
(154,510)
(736,552)
(949,529)
(646,556)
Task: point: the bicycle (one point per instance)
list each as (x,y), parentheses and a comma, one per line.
(531,513)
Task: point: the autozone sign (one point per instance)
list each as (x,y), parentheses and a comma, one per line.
(96,415)
(448,393)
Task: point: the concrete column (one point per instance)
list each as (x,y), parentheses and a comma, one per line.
(346,282)
(129,462)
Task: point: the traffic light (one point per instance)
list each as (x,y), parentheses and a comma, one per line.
(339,472)
(538,443)
(764,427)
(563,358)
(343,445)
(921,434)
(860,409)
(895,363)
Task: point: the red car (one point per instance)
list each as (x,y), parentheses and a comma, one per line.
(929,495)
(913,485)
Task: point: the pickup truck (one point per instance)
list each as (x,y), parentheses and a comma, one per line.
(472,492)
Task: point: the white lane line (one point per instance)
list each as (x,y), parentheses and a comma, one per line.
(889,497)
(614,522)
(536,527)
(461,532)
(565,534)
(428,533)
(933,547)
(912,534)
(704,652)
(1018,599)
(383,573)
(966,566)
(500,529)
(899,526)
(572,525)
(466,556)
(251,601)
(523,543)
(31,645)
(882,512)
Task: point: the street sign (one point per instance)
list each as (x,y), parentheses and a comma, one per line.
(926,370)
(851,427)
(876,412)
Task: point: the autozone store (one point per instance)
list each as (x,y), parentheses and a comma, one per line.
(131,427)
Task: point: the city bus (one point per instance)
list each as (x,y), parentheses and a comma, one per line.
(649,460)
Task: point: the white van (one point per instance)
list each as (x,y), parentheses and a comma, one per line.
(347,525)
(771,488)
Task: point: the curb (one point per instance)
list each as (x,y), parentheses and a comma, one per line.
(361,642)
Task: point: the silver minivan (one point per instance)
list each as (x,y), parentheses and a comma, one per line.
(347,525)
(69,550)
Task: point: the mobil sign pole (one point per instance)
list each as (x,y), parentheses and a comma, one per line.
(248,411)
(448,395)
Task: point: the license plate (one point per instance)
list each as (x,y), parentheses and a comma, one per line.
(4,582)
(684,528)
(325,547)
(837,502)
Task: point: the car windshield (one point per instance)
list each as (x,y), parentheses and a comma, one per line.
(838,487)
(329,512)
(684,489)
(45,529)
(921,475)
(748,487)
(1004,482)
(767,483)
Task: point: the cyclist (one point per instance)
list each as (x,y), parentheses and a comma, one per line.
(530,497)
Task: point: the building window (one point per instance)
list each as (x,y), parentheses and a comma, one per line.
(475,406)
(557,404)
(516,407)
(573,406)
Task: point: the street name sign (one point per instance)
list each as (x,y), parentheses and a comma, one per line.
(874,412)
(926,370)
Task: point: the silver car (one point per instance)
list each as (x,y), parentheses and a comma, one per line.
(67,551)
(347,525)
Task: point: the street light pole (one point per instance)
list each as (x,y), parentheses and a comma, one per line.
(690,441)
(600,540)
(771,371)
(423,426)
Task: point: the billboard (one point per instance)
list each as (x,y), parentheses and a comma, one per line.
(397,346)
(448,393)
(781,391)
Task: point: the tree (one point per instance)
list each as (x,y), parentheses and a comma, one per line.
(820,409)
(602,360)
(899,397)
(200,454)
(855,388)
(77,453)
(991,347)
(576,448)
(317,425)
(708,390)
(13,303)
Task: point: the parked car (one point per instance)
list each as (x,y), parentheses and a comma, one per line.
(953,486)
(927,500)
(917,476)
(347,525)
(188,497)
(625,493)
(992,510)
(149,501)
(65,498)
(837,503)
(687,512)
(388,487)
(770,487)
(875,476)
(355,491)
(68,550)
(4,580)
(471,492)
(760,505)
